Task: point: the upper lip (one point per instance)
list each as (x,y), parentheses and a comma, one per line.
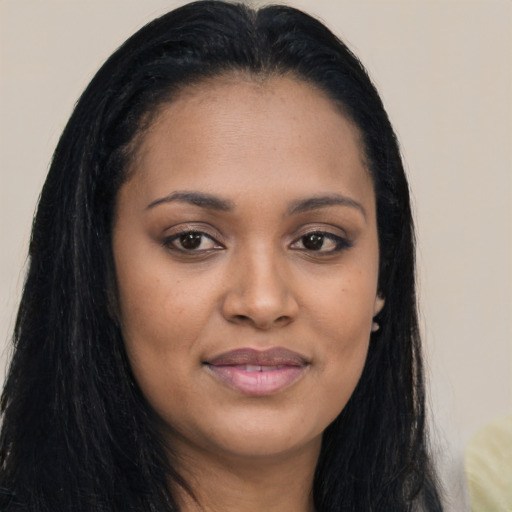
(248,356)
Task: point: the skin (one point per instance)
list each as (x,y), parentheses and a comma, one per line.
(253,281)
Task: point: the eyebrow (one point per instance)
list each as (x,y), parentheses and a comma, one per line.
(200,199)
(211,202)
(315,203)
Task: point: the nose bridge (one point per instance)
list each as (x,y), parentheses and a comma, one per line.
(262,274)
(260,290)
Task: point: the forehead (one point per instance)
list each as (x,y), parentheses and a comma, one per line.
(283,97)
(237,131)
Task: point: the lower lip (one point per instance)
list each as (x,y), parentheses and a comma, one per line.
(258,383)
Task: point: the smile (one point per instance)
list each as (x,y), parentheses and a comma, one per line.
(258,373)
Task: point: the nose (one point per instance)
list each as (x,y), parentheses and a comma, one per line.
(260,292)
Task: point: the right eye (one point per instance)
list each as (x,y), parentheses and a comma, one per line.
(192,241)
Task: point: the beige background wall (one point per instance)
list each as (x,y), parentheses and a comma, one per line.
(444,71)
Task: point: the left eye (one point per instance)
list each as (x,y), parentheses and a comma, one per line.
(320,241)
(191,241)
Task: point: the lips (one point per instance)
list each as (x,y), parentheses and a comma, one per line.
(258,373)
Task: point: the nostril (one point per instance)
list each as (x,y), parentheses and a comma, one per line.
(245,319)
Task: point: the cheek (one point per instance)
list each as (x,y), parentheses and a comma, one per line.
(152,294)
(344,306)
(150,302)
(159,329)
(155,320)
(342,316)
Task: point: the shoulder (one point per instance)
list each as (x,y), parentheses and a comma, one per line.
(488,466)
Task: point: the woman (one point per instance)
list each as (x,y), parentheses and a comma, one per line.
(219,312)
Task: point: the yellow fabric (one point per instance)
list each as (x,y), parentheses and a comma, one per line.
(488,466)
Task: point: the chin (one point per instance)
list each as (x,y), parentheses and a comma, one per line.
(255,433)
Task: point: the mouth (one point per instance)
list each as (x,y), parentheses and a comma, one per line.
(258,373)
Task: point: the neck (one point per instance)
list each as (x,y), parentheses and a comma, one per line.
(280,483)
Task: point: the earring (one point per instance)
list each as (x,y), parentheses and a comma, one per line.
(375,326)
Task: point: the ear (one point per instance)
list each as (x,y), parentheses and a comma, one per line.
(379,304)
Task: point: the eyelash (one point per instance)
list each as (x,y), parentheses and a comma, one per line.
(169,242)
(340,243)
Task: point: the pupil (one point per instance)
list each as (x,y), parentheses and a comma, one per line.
(313,242)
(190,240)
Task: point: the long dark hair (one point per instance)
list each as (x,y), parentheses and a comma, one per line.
(77,433)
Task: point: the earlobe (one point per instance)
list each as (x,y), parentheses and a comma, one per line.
(377,308)
(379,304)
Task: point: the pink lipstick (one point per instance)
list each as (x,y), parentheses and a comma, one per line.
(258,373)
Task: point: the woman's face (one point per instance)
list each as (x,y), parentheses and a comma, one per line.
(246,253)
